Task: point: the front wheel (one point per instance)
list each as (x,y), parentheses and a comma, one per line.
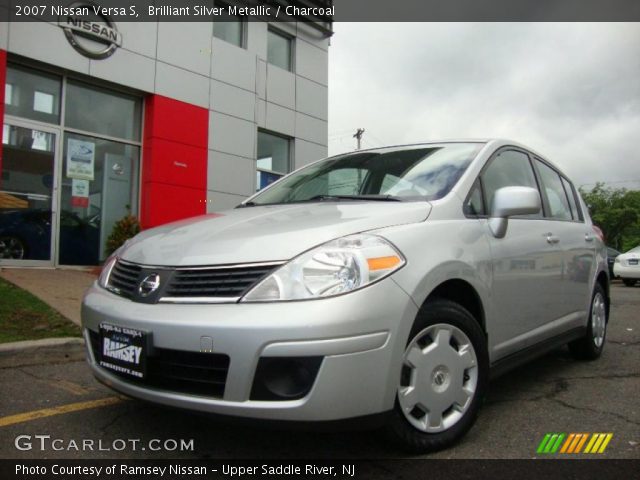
(590,346)
(629,282)
(443,379)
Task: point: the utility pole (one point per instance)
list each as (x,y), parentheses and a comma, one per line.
(358,137)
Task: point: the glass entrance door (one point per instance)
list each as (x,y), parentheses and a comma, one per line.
(27,219)
(96,188)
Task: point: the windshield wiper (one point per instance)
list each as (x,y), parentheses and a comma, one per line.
(374,197)
(334,198)
(247,204)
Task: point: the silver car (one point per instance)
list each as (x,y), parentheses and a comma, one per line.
(386,284)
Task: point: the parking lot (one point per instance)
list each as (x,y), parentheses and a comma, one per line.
(552,394)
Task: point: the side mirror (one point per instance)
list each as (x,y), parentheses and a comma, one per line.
(511,201)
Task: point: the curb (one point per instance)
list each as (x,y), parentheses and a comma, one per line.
(47,350)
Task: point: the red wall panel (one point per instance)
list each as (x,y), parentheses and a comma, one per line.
(166,203)
(177,121)
(175,163)
(3,78)
(174,171)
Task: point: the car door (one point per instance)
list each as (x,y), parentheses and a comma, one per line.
(526,264)
(576,241)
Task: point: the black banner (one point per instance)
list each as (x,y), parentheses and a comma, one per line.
(318,469)
(323,11)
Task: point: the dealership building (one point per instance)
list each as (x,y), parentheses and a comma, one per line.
(161,120)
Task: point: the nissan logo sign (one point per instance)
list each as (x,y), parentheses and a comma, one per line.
(149,285)
(90,31)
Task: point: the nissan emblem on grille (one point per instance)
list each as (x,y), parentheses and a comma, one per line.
(149,285)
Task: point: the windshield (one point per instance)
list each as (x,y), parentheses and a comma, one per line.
(424,172)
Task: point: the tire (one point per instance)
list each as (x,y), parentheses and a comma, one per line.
(629,282)
(12,248)
(590,346)
(456,367)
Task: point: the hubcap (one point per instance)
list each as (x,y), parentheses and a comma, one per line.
(439,378)
(11,247)
(598,319)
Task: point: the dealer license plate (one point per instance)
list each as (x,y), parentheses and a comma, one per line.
(123,350)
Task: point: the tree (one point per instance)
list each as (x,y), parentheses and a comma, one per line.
(617,212)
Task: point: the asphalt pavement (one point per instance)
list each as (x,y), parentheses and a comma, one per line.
(63,402)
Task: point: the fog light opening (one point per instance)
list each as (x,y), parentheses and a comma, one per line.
(280,378)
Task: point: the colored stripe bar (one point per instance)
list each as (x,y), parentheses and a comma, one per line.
(606,442)
(555,447)
(568,442)
(576,439)
(590,444)
(581,442)
(596,445)
(550,443)
(543,443)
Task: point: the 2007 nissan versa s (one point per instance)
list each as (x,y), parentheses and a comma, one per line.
(388,281)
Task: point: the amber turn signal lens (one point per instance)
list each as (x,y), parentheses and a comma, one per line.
(383,263)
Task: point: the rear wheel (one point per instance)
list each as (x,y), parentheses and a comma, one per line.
(629,282)
(591,345)
(12,248)
(443,380)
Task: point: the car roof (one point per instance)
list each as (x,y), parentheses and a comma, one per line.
(494,143)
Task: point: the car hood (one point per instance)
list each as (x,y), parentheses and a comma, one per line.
(264,233)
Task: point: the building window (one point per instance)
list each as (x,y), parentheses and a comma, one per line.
(33,95)
(110,113)
(274,158)
(229,28)
(279,50)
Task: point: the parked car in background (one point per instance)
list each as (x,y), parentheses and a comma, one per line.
(627,266)
(384,283)
(612,253)
(25,234)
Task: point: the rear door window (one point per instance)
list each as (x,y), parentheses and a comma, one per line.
(556,196)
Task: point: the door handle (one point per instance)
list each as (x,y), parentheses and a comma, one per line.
(552,239)
(588,237)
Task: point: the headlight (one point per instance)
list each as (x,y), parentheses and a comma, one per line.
(617,260)
(103,279)
(336,267)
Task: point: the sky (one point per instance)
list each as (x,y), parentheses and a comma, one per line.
(570,91)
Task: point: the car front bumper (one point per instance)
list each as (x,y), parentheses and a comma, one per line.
(360,337)
(626,271)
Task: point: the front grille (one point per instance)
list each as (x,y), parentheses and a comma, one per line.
(193,373)
(123,279)
(215,282)
(180,284)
